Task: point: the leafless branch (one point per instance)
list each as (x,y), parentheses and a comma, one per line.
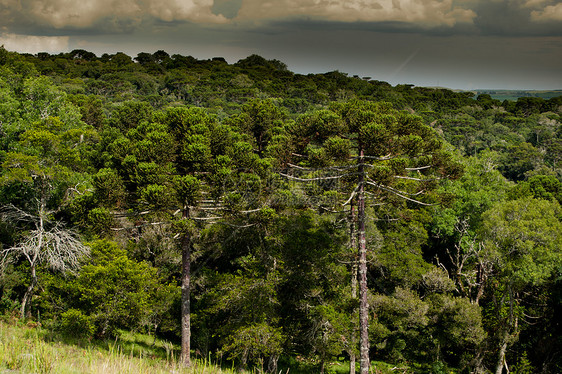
(204,218)
(237,226)
(58,247)
(249,211)
(137,226)
(331,210)
(373,183)
(419,168)
(314,179)
(397,193)
(417,179)
(336,168)
(11,213)
(352,195)
(383,158)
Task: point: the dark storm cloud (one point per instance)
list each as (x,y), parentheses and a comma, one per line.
(391,27)
(228,8)
(425,13)
(469,17)
(488,17)
(519,18)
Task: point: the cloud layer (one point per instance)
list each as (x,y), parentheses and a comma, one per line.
(549,13)
(126,15)
(421,12)
(34,44)
(505,43)
(116,14)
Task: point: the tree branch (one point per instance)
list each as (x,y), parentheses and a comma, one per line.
(383,158)
(314,179)
(419,168)
(397,193)
(417,179)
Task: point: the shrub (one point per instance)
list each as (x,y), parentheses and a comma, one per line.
(75,323)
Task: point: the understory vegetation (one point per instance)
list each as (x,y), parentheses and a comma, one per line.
(167,214)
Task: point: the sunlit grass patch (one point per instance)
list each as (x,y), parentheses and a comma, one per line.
(25,349)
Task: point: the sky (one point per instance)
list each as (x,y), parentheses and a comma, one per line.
(458,44)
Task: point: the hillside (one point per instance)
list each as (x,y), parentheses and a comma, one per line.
(266,220)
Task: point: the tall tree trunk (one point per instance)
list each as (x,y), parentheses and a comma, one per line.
(363,303)
(354,266)
(29,292)
(185,357)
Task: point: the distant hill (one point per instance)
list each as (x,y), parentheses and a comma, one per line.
(515,94)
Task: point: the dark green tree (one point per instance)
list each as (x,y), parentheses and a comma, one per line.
(371,149)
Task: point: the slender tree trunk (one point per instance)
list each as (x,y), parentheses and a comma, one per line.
(501,354)
(482,277)
(363,303)
(510,325)
(354,268)
(477,365)
(185,357)
(33,261)
(29,292)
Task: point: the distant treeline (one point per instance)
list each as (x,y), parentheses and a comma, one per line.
(516,94)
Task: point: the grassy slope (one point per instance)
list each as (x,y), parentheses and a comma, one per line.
(30,349)
(25,349)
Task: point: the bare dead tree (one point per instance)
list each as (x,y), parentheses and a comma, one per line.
(469,267)
(48,243)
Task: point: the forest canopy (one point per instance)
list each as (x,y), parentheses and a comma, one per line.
(271,218)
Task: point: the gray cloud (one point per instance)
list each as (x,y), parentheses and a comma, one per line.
(454,43)
(116,15)
(519,17)
(228,8)
(34,44)
(549,13)
(492,17)
(427,13)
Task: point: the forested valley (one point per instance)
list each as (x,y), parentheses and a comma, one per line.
(272,221)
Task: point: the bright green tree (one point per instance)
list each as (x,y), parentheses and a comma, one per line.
(523,242)
(115,291)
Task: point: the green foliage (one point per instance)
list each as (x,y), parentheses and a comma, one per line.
(109,189)
(520,160)
(188,188)
(100,221)
(457,323)
(546,187)
(114,291)
(148,151)
(399,256)
(524,366)
(254,343)
(524,239)
(74,323)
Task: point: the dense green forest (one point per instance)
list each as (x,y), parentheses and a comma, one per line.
(272,220)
